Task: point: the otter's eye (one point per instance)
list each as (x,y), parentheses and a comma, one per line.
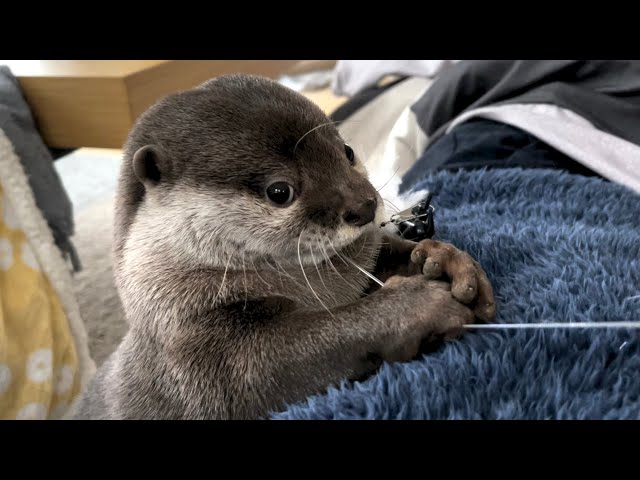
(350,155)
(280,193)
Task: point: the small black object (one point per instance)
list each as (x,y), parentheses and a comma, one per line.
(416,223)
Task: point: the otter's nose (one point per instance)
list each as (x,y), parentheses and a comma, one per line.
(363,214)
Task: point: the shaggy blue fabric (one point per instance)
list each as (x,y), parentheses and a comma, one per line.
(557,247)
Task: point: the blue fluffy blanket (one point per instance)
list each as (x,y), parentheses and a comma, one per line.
(557,247)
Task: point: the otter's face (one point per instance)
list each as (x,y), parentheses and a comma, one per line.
(256,170)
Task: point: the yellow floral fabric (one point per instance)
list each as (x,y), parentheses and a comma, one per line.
(39,375)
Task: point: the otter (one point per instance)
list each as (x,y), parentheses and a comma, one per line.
(241,216)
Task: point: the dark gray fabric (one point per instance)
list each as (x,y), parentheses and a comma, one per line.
(605,92)
(483,143)
(18,125)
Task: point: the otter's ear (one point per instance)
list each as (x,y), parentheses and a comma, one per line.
(149,165)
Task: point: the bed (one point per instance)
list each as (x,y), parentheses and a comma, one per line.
(553,220)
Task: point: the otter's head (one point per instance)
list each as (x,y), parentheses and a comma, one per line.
(243,166)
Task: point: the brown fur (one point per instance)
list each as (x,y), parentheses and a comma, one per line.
(238,306)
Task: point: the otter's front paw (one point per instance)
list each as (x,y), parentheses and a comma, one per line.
(469,282)
(429,313)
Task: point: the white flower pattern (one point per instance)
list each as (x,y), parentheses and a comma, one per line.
(40,365)
(32,411)
(48,385)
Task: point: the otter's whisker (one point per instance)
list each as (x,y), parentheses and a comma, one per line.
(280,268)
(390,211)
(314,128)
(387,182)
(246,291)
(391,203)
(275,269)
(365,243)
(224,277)
(255,270)
(330,263)
(372,277)
(315,263)
(349,249)
(305,276)
(337,254)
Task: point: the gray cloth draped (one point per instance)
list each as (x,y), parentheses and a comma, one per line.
(19,126)
(605,92)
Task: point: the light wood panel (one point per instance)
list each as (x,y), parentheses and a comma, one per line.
(70,113)
(78,68)
(148,85)
(325,99)
(93,103)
